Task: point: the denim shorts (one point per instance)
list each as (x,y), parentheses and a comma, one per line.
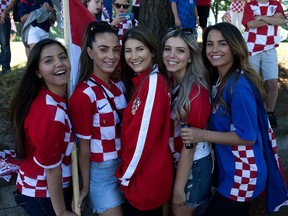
(199,184)
(105,191)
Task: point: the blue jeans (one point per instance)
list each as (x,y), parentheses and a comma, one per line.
(5,54)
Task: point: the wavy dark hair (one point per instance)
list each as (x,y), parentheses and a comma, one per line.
(26,92)
(241,62)
(141,33)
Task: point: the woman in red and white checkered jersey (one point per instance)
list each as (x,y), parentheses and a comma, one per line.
(123,23)
(96,108)
(43,135)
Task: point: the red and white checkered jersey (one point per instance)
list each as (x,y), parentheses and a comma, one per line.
(4,5)
(197,117)
(245,175)
(124,27)
(95,119)
(48,144)
(136,3)
(237,6)
(264,37)
(227,17)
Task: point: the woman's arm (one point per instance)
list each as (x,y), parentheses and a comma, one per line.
(84,165)
(193,135)
(175,13)
(54,183)
(182,174)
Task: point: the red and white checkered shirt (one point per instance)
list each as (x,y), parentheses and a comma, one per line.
(95,119)
(245,176)
(136,3)
(237,6)
(264,37)
(4,5)
(227,17)
(48,144)
(124,27)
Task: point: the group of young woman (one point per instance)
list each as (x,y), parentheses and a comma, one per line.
(130,130)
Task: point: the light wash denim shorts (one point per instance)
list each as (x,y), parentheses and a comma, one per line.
(105,191)
(266,62)
(199,184)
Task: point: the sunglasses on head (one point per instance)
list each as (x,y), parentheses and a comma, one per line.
(102,25)
(118,6)
(187,31)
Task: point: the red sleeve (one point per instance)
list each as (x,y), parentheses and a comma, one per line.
(280,8)
(247,15)
(200,107)
(81,114)
(48,137)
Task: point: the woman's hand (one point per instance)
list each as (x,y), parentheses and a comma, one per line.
(83,194)
(192,135)
(179,198)
(118,19)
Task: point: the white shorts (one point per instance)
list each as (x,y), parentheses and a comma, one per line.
(266,62)
(36,34)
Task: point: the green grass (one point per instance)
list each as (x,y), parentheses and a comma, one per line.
(8,84)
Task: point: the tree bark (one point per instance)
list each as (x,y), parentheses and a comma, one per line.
(157,15)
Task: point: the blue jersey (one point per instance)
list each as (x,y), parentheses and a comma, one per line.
(242,169)
(186,15)
(27,6)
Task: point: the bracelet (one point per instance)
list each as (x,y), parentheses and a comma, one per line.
(205,135)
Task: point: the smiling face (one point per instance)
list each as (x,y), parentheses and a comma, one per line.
(218,52)
(54,68)
(95,6)
(119,5)
(137,55)
(176,56)
(105,53)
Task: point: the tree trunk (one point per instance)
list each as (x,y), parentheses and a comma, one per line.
(157,15)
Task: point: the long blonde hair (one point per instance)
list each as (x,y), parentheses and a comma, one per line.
(195,73)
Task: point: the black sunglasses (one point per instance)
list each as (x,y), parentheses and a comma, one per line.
(187,31)
(118,6)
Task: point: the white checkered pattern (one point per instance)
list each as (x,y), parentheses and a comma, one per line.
(4,5)
(245,175)
(237,6)
(32,178)
(227,17)
(264,37)
(106,130)
(124,27)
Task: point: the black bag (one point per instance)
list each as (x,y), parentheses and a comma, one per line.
(16,15)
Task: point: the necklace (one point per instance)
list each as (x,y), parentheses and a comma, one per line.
(214,88)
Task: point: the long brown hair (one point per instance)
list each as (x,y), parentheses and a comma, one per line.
(241,62)
(27,90)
